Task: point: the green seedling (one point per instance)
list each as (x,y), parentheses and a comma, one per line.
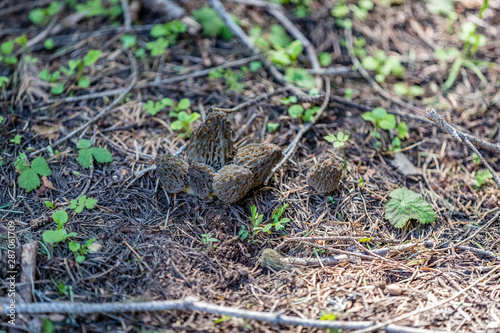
(287,55)
(82,202)
(272,127)
(6,53)
(289,100)
(29,178)
(207,239)
(386,121)
(96,8)
(338,140)
(17,139)
(300,77)
(80,251)
(4,82)
(212,24)
(49,204)
(128,41)
(87,154)
(482,177)
(54,236)
(42,16)
(297,111)
(403,89)
(230,77)
(49,44)
(256,220)
(325,59)
(328,316)
(278,222)
(183,122)
(405,205)
(383,65)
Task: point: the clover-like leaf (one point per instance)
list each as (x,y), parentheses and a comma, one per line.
(101,155)
(406,205)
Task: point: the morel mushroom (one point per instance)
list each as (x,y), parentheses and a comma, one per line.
(200,179)
(172,172)
(259,158)
(324,177)
(211,143)
(232,182)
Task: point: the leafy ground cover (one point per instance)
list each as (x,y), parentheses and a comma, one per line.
(92,91)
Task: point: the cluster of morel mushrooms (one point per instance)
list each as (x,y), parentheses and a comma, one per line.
(215,166)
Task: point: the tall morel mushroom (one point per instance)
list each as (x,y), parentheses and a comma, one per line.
(211,143)
(172,172)
(200,179)
(232,182)
(259,158)
(324,177)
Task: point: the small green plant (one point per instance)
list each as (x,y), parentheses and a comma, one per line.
(287,55)
(472,42)
(128,41)
(256,220)
(338,140)
(341,10)
(79,250)
(153,107)
(183,122)
(405,205)
(169,31)
(17,139)
(42,16)
(386,121)
(96,8)
(212,24)
(82,202)
(230,77)
(328,316)
(272,127)
(325,59)
(49,204)
(49,44)
(207,239)
(482,176)
(57,88)
(278,222)
(6,53)
(297,111)
(348,93)
(300,77)
(59,234)
(29,178)
(403,89)
(4,82)
(383,65)
(289,100)
(87,154)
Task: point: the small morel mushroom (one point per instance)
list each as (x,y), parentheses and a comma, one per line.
(172,172)
(324,177)
(211,143)
(232,182)
(259,158)
(200,179)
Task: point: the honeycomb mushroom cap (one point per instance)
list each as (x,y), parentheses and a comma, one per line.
(232,182)
(200,179)
(172,172)
(211,143)
(259,158)
(324,177)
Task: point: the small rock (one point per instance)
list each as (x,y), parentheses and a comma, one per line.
(394,290)
(404,165)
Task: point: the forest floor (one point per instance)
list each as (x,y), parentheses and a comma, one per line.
(149,246)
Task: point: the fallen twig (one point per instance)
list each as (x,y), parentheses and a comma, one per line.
(192,304)
(459,136)
(291,147)
(104,111)
(255,100)
(127,19)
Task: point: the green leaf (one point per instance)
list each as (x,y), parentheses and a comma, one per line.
(91,57)
(84,82)
(300,77)
(482,176)
(128,41)
(177,125)
(39,165)
(255,66)
(84,144)
(278,36)
(90,203)
(17,139)
(325,59)
(388,122)
(370,63)
(340,10)
(184,104)
(54,236)
(368,116)
(402,130)
(295,49)
(29,180)
(101,155)
(7,47)
(159,30)
(365,239)
(167,102)
(71,234)
(379,113)
(84,158)
(272,127)
(48,44)
(37,15)
(330,138)
(295,111)
(4,81)
(415,91)
(401,88)
(44,75)
(80,258)
(212,24)
(58,89)
(406,205)
(157,47)
(72,204)
(280,57)
(74,246)
(221,319)
(60,217)
(49,204)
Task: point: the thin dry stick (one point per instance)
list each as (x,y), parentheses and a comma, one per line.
(126,15)
(104,111)
(255,100)
(419,311)
(192,304)
(444,126)
(340,238)
(291,147)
